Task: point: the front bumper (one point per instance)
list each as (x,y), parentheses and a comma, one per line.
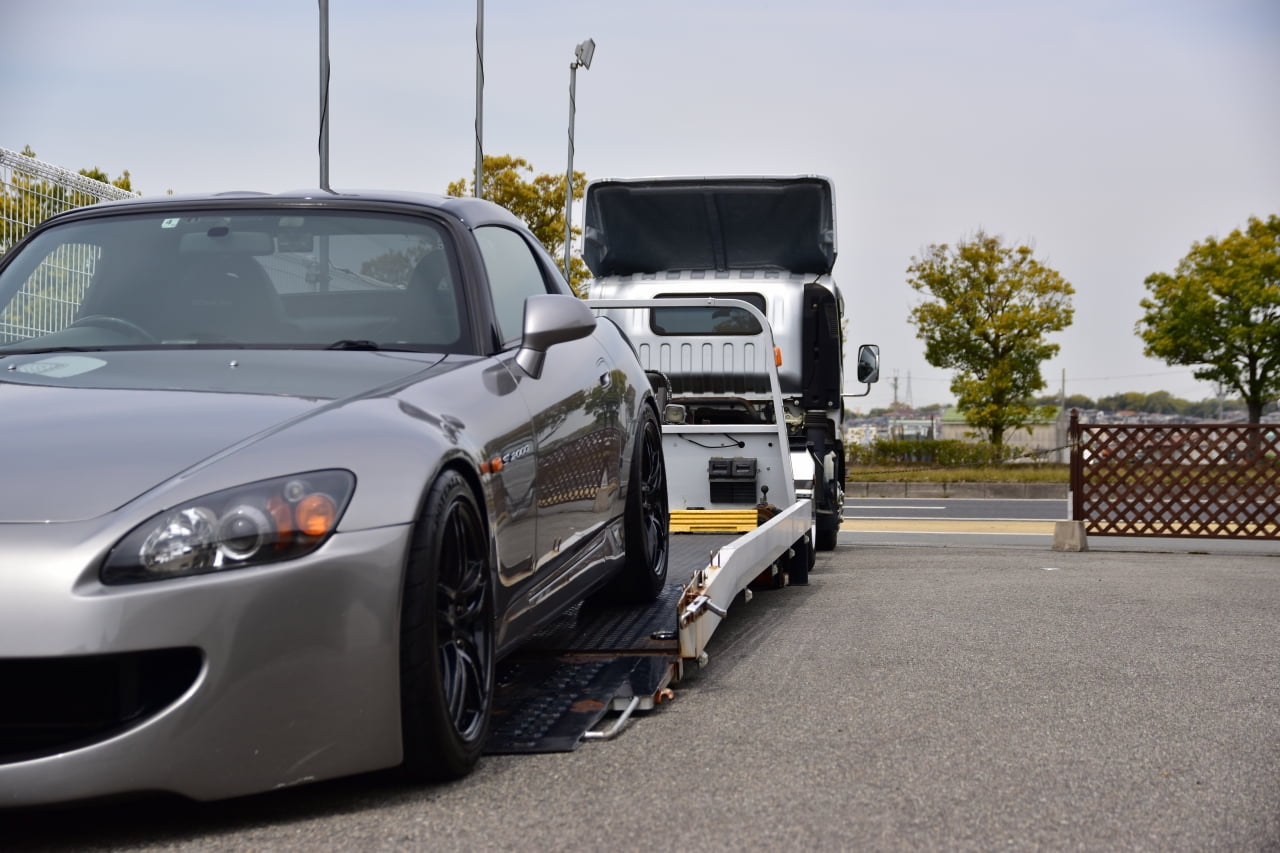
(275,675)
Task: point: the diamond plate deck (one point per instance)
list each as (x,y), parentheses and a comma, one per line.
(546,705)
(562,682)
(598,630)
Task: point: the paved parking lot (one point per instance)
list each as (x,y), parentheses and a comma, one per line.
(909,698)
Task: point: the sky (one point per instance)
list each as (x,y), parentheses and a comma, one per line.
(1109,135)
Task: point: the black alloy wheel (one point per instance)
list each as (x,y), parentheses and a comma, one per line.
(646,530)
(447,635)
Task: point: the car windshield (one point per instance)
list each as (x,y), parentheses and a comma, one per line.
(284,277)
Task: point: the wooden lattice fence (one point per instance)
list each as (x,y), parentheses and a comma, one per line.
(1190,480)
(578,469)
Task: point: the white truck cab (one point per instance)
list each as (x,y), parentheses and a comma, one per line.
(766,241)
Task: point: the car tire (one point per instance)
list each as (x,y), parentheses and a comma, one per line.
(447,635)
(646,528)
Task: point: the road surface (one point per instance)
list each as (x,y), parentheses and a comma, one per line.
(910,698)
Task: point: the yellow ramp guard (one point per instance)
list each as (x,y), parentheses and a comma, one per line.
(712,520)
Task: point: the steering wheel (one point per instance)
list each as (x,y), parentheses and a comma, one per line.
(118,324)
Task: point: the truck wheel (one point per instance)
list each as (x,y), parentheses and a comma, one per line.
(646,533)
(827,539)
(446,636)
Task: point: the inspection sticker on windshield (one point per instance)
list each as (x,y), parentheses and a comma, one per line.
(62,366)
(170,223)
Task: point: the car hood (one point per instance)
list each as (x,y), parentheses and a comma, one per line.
(85,433)
(648,225)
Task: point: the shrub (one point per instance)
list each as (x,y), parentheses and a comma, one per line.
(948,453)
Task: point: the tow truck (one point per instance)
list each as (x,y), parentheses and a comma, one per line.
(768,240)
(736,524)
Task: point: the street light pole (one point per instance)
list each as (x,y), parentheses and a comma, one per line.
(479,193)
(324,95)
(582,57)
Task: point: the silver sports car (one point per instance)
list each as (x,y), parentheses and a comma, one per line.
(284,475)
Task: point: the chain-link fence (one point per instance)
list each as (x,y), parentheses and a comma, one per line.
(30,192)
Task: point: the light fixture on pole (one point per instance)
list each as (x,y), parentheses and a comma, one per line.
(582,57)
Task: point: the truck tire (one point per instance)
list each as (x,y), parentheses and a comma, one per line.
(827,539)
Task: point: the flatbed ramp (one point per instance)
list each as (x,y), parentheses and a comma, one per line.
(590,660)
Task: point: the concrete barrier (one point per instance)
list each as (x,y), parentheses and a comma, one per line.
(1069,536)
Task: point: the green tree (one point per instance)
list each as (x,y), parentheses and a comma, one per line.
(538,201)
(988,309)
(124,182)
(1072,401)
(1220,309)
(1124,401)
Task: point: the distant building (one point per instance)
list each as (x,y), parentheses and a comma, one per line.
(1047,439)
(863,434)
(913,429)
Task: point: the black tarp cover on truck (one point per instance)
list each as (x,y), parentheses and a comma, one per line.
(649,225)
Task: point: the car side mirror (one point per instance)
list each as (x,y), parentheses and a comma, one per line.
(551,319)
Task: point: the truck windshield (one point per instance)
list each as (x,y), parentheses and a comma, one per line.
(712,320)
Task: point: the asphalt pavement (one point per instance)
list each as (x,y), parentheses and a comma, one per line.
(909,698)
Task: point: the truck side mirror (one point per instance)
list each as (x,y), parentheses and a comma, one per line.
(868,363)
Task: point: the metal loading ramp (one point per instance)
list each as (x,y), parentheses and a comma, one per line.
(552,693)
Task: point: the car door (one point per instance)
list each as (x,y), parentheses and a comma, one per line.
(576,441)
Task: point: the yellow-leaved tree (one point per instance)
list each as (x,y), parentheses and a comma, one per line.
(538,200)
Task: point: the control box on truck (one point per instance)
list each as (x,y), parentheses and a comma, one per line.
(769,242)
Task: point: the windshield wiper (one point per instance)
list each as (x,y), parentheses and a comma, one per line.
(353,343)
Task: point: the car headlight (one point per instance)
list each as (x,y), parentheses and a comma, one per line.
(262,522)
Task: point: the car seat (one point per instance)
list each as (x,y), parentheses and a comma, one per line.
(431,304)
(217,297)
